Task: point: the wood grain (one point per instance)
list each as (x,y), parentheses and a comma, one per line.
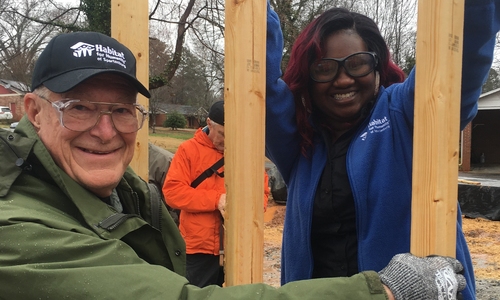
(436,131)
(130,26)
(244,94)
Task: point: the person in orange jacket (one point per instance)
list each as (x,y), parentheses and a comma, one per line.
(201,206)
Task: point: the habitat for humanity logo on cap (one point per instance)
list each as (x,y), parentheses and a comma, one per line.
(71,58)
(104,53)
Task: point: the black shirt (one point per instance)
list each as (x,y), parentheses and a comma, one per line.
(333,236)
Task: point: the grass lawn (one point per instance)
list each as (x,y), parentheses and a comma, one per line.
(170,139)
(182,134)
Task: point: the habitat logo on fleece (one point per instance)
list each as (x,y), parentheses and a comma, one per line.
(376,126)
(379,125)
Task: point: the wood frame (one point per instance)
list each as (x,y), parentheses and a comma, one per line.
(436,132)
(437,127)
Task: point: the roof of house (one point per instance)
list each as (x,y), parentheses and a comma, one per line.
(186,110)
(11,87)
(489,100)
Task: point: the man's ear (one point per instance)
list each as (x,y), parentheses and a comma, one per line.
(32,109)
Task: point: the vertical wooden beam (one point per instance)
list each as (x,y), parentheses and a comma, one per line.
(244,93)
(436,132)
(130,26)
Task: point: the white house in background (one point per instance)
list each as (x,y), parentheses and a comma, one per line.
(490,100)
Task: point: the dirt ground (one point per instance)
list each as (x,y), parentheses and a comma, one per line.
(273,232)
(483,238)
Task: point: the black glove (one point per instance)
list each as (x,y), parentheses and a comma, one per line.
(427,278)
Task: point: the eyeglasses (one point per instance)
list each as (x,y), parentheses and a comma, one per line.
(356,65)
(82,115)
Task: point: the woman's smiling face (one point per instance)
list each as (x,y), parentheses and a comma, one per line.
(342,99)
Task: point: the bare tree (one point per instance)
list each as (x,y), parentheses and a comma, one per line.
(296,14)
(397,22)
(158,58)
(183,24)
(395,18)
(21,37)
(204,21)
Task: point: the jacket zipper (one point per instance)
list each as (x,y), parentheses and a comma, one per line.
(113,221)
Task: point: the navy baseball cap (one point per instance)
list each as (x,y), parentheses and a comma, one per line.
(216,112)
(71,58)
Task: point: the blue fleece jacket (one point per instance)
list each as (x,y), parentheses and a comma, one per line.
(379,159)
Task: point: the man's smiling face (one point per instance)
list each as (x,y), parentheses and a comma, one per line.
(96,158)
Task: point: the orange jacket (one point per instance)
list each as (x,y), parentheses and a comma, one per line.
(200,219)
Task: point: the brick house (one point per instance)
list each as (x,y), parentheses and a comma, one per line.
(481,138)
(195,116)
(11,95)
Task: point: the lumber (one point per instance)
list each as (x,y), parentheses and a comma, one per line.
(244,98)
(130,26)
(465,181)
(436,131)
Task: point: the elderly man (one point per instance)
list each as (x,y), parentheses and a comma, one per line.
(75,221)
(202,200)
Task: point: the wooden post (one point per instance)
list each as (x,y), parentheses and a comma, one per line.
(244,94)
(436,132)
(130,26)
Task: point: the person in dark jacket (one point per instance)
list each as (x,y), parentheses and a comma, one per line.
(159,163)
(77,223)
(339,128)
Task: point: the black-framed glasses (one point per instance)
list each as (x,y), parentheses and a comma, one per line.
(83,115)
(356,65)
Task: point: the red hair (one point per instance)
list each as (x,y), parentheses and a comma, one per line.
(309,46)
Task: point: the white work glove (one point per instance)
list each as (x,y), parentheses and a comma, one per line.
(222,205)
(423,278)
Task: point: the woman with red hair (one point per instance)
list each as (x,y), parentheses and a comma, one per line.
(340,129)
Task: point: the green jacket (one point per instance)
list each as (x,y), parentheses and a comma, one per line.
(59,241)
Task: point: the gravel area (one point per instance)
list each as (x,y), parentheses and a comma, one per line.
(487,289)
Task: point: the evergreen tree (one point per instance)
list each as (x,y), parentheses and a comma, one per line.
(175,120)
